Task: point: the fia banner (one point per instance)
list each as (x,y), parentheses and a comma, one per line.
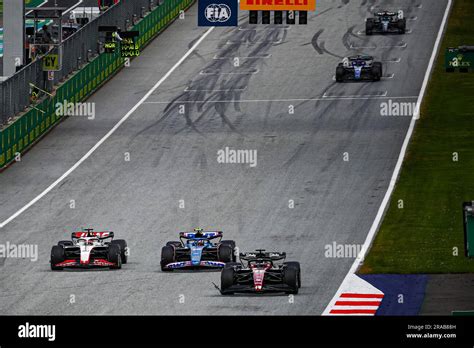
(218,13)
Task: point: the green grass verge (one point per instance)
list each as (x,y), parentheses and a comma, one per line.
(420,237)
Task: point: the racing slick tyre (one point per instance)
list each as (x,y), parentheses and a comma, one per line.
(64,243)
(114,255)
(231,243)
(297,266)
(167,256)
(225,253)
(369,26)
(402,25)
(174,243)
(290,278)
(227,279)
(57,256)
(123,249)
(376,71)
(340,72)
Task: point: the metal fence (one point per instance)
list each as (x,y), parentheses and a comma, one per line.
(77,50)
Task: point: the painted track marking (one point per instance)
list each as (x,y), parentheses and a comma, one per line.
(381,94)
(400,45)
(251,72)
(215,90)
(265,56)
(328,98)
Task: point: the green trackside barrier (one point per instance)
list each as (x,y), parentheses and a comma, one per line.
(34,123)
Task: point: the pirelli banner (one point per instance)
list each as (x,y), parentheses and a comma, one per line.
(278,5)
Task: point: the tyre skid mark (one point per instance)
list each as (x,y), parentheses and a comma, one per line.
(219,83)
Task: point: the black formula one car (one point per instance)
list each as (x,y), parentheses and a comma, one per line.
(197,249)
(261,272)
(359,68)
(386,23)
(89,249)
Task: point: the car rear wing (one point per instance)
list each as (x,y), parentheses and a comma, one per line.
(100,235)
(205,235)
(258,255)
(379,14)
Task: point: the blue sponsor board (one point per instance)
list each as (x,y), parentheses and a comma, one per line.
(218,13)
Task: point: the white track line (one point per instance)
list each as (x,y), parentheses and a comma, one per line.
(216,90)
(276,100)
(265,56)
(230,73)
(112,131)
(378,95)
(279,41)
(390,76)
(396,172)
(361,32)
(44,2)
(401,45)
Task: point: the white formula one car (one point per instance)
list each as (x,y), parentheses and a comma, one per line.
(88,249)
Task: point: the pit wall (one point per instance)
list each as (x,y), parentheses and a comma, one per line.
(28,128)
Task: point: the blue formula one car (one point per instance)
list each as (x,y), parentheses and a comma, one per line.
(197,249)
(359,68)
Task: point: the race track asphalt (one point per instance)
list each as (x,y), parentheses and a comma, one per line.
(173,157)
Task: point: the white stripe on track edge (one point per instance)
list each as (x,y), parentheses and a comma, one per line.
(112,131)
(73,6)
(396,172)
(44,2)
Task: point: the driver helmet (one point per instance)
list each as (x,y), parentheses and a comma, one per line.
(92,241)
